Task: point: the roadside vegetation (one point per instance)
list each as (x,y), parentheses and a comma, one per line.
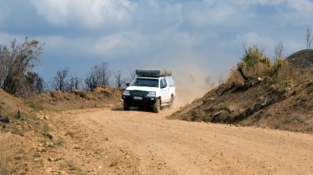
(260,91)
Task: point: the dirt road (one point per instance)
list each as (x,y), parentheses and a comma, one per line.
(154,145)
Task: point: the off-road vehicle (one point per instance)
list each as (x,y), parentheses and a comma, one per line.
(152,88)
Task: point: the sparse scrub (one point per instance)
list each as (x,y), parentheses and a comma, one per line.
(37,104)
(4,155)
(46,130)
(288,119)
(185,117)
(281,81)
(71,167)
(60,140)
(224,105)
(310,90)
(256,64)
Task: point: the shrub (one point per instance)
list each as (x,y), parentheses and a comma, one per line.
(16,62)
(252,55)
(255,63)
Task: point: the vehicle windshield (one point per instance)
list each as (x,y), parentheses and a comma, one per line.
(146,82)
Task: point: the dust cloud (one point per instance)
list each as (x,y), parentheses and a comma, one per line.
(189,82)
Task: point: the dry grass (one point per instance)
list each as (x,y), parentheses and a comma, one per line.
(4,155)
(10,105)
(285,71)
(256,64)
(258,69)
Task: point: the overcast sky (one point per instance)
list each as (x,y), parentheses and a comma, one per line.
(203,36)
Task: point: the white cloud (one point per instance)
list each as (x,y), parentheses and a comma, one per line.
(154,31)
(220,14)
(130,42)
(121,44)
(252,38)
(90,13)
(56,11)
(298,5)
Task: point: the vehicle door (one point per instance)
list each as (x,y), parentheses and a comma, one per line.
(164,91)
(171,85)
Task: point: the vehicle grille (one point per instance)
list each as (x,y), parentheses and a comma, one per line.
(137,93)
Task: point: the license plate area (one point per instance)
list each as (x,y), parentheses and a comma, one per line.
(137,98)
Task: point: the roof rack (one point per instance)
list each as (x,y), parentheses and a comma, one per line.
(153,72)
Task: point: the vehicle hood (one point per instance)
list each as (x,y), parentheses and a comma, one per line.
(143,88)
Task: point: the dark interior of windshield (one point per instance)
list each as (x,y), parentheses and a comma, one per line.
(146,82)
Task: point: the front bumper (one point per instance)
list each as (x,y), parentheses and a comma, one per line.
(134,101)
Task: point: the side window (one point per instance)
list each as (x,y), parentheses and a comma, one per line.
(165,84)
(161,82)
(172,81)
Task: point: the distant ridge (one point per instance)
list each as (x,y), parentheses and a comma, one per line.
(302,58)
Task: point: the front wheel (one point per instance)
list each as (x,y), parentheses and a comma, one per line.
(156,106)
(125,106)
(171,102)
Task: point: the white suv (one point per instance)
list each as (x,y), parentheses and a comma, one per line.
(153,88)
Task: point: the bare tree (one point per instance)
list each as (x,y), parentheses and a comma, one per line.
(221,79)
(102,73)
(208,81)
(59,82)
(74,83)
(190,78)
(99,75)
(16,62)
(308,37)
(91,81)
(133,75)
(279,50)
(120,82)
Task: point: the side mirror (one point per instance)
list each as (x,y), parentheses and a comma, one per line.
(163,86)
(127,84)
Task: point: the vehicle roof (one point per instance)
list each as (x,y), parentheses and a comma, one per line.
(151,77)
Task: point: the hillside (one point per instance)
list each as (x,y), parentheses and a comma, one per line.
(261,102)
(31,134)
(302,59)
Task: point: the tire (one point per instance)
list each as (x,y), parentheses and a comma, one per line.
(125,106)
(141,108)
(156,106)
(171,102)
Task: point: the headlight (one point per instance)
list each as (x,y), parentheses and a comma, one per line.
(126,93)
(151,94)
